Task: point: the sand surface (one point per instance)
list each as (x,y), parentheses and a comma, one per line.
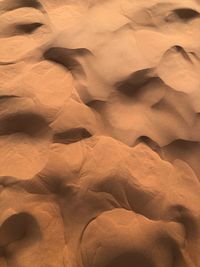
(99,133)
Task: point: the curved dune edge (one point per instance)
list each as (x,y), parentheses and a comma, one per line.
(99,133)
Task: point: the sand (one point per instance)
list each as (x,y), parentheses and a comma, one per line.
(99,133)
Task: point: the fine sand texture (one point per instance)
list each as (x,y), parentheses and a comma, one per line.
(99,133)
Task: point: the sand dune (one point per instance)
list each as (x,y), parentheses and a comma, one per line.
(99,133)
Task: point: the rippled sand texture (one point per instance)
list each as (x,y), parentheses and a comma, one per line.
(99,133)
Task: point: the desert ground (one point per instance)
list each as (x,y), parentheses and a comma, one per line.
(99,133)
